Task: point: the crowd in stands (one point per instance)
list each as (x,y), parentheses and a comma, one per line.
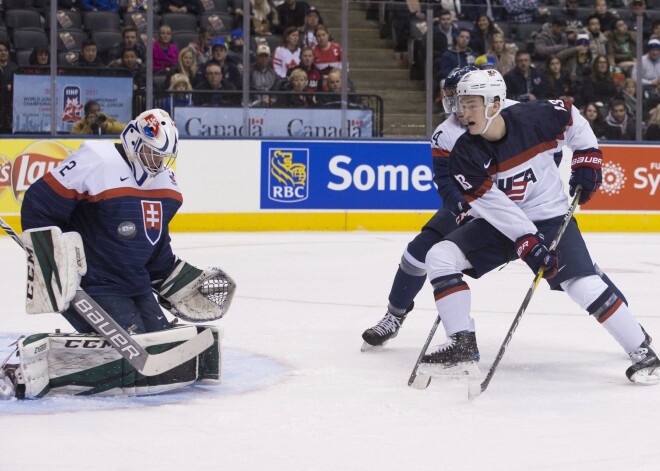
(582,51)
(197,49)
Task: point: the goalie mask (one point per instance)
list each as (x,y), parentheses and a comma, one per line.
(151,143)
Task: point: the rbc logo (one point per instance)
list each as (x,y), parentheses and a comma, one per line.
(287,177)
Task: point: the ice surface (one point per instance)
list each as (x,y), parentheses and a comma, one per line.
(299,395)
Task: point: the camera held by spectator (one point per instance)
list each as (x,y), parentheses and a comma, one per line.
(96,122)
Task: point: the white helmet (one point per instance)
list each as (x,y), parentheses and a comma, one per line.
(151,143)
(488,84)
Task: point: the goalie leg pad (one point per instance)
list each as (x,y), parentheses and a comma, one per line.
(56,264)
(196,295)
(85,365)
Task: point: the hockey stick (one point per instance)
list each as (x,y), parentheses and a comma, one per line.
(145,363)
(412,381)
(475,392)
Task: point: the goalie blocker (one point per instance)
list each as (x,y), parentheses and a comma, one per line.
(88,365)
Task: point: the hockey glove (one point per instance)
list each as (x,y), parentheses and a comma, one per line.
(462,212)
(530,248)
(586,172)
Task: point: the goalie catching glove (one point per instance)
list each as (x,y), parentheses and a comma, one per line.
(56,264)
(196,295)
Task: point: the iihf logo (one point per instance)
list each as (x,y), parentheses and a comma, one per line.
(287,176)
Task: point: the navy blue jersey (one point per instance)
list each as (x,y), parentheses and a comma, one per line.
(124,227)
(514,181)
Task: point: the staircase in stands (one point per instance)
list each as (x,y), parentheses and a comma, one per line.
(374,70)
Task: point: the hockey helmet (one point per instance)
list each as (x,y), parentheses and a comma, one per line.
(449,87)
(151,143)
(488,84)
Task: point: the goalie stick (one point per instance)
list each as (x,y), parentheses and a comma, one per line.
(476,392)
(145,363)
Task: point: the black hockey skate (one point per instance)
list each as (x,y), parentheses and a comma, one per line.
(647,338)
(387,328)
(646,365)
(460,347)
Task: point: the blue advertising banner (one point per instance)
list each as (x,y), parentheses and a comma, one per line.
(32,100)
(347,175)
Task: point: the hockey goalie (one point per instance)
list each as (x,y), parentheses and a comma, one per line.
(96,237)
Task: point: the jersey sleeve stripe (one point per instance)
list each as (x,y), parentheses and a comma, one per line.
(523,157)
(479,192)
(435,152)
(61,190)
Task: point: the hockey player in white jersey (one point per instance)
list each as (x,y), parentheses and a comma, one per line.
(505,169)
(99,221)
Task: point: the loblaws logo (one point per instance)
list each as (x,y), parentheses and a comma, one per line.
(288,175)
(29,166)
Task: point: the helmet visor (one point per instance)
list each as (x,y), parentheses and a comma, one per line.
(449,101)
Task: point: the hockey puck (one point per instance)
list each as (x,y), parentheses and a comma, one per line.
(126,230)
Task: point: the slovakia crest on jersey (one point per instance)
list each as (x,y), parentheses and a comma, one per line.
(152,215)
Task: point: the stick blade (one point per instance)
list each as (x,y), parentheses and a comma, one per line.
(421,381)
(161,362)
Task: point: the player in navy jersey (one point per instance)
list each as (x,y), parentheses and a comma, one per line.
(411,273)
(505,168)
(120,198)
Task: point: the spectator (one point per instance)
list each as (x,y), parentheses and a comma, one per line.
(592,114)
(40,55)
(446,28)
(653,130)
(650,65)
(621,45)
(129,61)
(308,30)
(559,84)
(263,78)
(287,55)
(223,91)
(577,60)
(481,36)
(178,6)
(186,64)
(638,8)
(129,39)
(291,13)
(552,39)
(100,5)
(618,125)
(655,29)
(332,97)
(263,17)
(597,40)
(571,15)
(524,82)
(298,96)
(599,85)
(606,17)
(650,99)
(88,56)
(179,93)
(458,56)
(96,122)
(523,11)
(202,45)
(230,72)
(327,54)
(165,52)
(628,95)
(7,69)
(503,54)
(314,75)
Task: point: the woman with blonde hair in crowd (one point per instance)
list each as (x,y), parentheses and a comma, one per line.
(297,96)
(177,96)
(503,54)
(263,17)
(186,64)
